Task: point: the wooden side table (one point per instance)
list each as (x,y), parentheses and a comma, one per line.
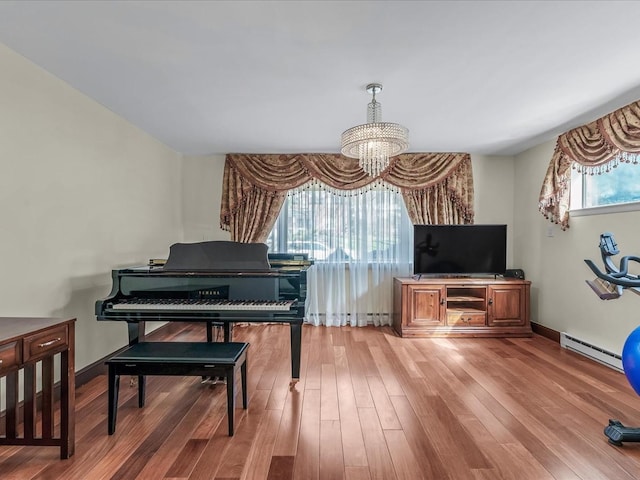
(23,343)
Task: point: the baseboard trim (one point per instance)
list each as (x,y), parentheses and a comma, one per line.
(545,332)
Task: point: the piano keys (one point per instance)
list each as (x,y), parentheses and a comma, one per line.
(197,285)
(151,304)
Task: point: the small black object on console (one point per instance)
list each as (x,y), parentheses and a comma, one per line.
(514,273)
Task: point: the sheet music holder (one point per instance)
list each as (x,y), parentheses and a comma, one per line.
(217,255)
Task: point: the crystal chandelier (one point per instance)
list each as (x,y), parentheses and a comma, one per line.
(374,142)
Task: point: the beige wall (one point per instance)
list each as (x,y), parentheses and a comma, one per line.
(493,181)
(81,192)
(561,299)
(202,193)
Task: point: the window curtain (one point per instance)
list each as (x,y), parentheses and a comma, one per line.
(595,148)
(361,240)
(436,187)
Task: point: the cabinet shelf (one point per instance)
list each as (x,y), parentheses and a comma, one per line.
(459,298)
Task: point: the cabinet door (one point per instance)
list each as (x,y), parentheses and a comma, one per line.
(506,304)
(426,305)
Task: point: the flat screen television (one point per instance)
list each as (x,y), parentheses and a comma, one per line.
(459,249)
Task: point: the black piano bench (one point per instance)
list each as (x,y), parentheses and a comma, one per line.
(202,359)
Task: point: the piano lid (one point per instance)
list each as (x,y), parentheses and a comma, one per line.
(217,255)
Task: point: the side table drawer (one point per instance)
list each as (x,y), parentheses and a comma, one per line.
(45,343)
(9,356)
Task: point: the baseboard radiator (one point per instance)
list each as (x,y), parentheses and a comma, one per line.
(591,351)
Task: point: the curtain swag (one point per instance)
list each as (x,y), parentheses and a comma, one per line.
(594,148)
(436,187)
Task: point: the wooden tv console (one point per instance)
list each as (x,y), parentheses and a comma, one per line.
(461,307)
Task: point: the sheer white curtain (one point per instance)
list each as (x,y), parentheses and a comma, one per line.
(359,240)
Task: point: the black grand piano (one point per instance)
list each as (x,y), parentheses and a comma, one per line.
(216,282)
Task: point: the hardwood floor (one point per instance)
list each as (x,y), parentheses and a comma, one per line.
(369,405)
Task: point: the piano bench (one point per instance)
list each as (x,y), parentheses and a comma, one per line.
(202,359)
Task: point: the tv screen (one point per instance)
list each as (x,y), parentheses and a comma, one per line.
(459,249)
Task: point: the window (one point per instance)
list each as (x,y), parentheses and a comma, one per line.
(359,241)
(619,189)
(369,225)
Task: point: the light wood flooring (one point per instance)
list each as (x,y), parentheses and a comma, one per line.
(369,405)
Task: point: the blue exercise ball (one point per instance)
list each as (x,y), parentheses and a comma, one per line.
(631,359)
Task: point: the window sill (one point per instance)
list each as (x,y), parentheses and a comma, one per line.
(605,209)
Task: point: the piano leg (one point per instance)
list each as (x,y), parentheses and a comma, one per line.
(296,346)
(114,387)
(141,390)
(136,332)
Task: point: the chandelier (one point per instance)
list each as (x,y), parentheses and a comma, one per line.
(374,142)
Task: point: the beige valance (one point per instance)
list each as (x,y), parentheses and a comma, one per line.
(595,148)
(436,187)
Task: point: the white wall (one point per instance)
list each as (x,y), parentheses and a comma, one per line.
(493,181)
(561,300)
(202,193)
(81,192)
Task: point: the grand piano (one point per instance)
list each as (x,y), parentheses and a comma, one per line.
(218,283)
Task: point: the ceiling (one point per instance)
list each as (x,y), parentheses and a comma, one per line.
(213,77)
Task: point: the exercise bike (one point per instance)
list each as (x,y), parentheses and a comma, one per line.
(610,285)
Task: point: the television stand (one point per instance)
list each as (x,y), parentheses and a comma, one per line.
(461,307)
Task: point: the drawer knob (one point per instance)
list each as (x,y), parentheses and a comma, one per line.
(50,342)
